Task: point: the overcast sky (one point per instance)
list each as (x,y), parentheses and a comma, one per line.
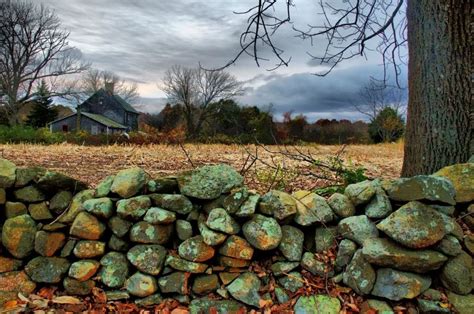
(140,39)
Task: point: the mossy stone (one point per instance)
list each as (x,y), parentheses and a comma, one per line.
(449,245)
(457,274)
(359,274)
(18,235)
(281,268)
(176,282)
(249,206)
(346,250)
(7,173)
(291,245)
(118,244)
(40,211)
(87,226)
(209,236)
(128,182)
(52,181)
(315,266)
(47,269)
(245,288)
(361,192)
(462,303)
(341,205)
(219,220)
(235,200)
(312,208)
(357,228)
(292,281)
(84,269)
(60,201)
(103,188)
(13,209)
(263,233)
(162,185)
(159,216)
(25,176)
(321,304)
(146,233)
(204,284)
(119,226)
(14,282)
(324,238)
(278,204)
(208,306)
(380,206)
(48,243)
(237,247)
(184,229)
(89,249)
(114,269)
(3,196)
(184,265)
(9,264)
(462,178)
(76,206)
(154,299)
(100,207)
(29,194)
(372,305)
(148,259)
(133,208)
(195,250)
(177,203)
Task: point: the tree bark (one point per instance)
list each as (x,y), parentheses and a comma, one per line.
(440,112)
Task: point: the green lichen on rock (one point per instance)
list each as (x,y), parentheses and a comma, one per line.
(159,216)
(315,266)
(148,259)
(281,268)
(291,245)
(219,220)
(357,228)
(397,285)
(341,205)
(25,176)
(29,194)
(114,269)
(235,200)
(9,264)
(237,247)
(7,173)
(209,182)
(47,269)
(15,282)
(361,192)
(359,274)
(320,304)
(176,282)
(462,178)
(462,303)
(184,229)
(184,265)
(103,188)
(386,253)
(128,182)
(13,209)
(457,274)
(449,245)
(40,211)
(141,285)
(53,181)
(324,238)
(83,270)
(249,207)
(246,289)
(292,281)
(133,208)
(177,203)
(209,306)
(278,204)
(422,187)
(209,236)
(87,226)
(89,249)
(76,206)
(60,202)
(380,206)
(414,225)
(18,235)
(146,233)
(263,233)
(311,208)
(195,250)
(346,250)
(100,207)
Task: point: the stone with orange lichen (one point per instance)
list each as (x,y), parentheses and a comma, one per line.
(195,250)
(87,226)
(237,247)
(263,233)
(233,262)
(15,282)
(18,235)
(48,243)
(84,269)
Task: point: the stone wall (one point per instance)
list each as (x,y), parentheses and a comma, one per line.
(203,232)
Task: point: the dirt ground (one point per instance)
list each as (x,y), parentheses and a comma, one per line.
(91,164)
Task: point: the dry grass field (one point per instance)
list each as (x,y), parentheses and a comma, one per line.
(91,164)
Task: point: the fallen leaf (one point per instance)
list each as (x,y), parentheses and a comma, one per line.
(66,300)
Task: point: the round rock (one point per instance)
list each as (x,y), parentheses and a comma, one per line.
(147,258)
(263,233)
(18,235)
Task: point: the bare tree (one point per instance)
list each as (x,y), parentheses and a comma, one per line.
(32,48)
(440,123)
(195,89)
(93,80)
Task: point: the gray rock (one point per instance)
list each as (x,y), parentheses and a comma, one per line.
(219,220)
(245,289)
(177,203)
(315,266)
(379,206)
(141,285)
(357,228)
(128,182)
(361,192)
(114,269)
(311,208)
(449,245)
(397,285)
(195,250)
(184,229)
(457,274)
(359,274)
(148,259)
(414,225)
(346,250)
(292,281)
(133,208)
(159,216)
(263,233)
(341,205)
(324,238)
(291,245)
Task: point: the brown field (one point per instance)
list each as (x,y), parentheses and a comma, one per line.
(91,164)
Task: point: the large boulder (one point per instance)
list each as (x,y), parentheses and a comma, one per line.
(18,235)
(462,177)
(397,285)
(422,187)
(263,233)
(414,225)
(385,253)
(209,182)
(7,173)
(128,182)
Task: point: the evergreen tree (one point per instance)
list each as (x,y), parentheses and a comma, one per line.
(43,112)
(388,126)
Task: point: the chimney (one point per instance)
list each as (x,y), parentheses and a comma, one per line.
(109,87)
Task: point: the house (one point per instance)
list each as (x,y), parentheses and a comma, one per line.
(103,112)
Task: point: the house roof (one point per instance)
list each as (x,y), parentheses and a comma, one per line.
(97,118)
(112,97)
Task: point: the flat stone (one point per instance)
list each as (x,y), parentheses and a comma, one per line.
(219,220)
(195,250)
(380,206)
(346,250)
(357,229)
(291,245)
(386,253)
(462,303)
(100,207)
(176,282)
(320,304)
(29,194)
(209,182)
(184,265)
(159,216)
(48,243)
(184,229)
(281,268)
(87,226)
(148,259)
(89,249)
(141,285)
(462,178)
(341,205)
(233,262)
(12,283)
(209,236)
(414,225)
(457,274)
(263,233)
(312,208)
(292,281)
(237,247)
(52,181)
(249,206)
(9,264)
(117,295)
(13,209)
(245,288)
(7,173)
(84,269)
(205,284)
(60,202)
(278,204)
(361,192)
(315,266)
(144,232)
(209,306)
(177,203)
(359,274)
(324,238)
(76,206)
(76,287)
(67,249)
(47,269)
(154,299)
(18,235)
(422,187)
(235,200)
(128,182)
(114,269)
(397,285)
(39,211)
(119,226)
(133,208)
(103,188)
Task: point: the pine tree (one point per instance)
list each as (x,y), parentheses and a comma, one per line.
(43,112)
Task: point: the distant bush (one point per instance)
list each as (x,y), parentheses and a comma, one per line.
(26,134)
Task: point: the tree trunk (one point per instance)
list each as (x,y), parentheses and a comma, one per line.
(439,120)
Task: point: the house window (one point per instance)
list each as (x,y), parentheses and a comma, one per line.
(65,128)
